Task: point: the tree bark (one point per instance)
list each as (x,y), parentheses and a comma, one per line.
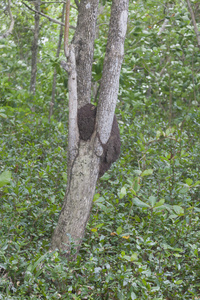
(35,49)
(84,45)
(9,31)
(84,156)
(51,104)
(197,32)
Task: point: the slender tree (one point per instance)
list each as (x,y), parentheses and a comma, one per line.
(197,32)
(9,31)
(51,104)
(35,48)
(85,156)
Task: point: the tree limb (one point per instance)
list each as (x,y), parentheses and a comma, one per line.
(40,13)
(163,26)
(64,65)
(66,32)
(77,3)
(9,31)
(194,22)
(49,18)
(83,41)
(111,71)
(73,133)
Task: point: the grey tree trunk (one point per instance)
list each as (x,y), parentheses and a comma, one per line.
(35,48)
(9,31)
(197,32)
(51,104)
(84,156)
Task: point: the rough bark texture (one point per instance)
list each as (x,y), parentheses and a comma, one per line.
(51,104)
(35,49)
(73,134)
(111,71)
(84,45)
(86,153)
(78,199)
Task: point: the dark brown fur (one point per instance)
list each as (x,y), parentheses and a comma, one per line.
(86,124)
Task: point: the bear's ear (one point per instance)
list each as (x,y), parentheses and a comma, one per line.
(86,121)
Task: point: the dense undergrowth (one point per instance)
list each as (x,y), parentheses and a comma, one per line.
(143,237)
(142,240)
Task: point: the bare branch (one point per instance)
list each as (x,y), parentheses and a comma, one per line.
(49,18)
(194,22)
(40,13)
(66,32)
(9,31)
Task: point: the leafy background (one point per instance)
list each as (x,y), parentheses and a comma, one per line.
(142,240)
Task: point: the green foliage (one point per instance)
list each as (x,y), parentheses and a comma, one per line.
(142,240)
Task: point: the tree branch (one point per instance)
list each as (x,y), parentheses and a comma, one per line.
(83,41)
(66,32)
(9,31)
(40,13)
(163,26)
(49,18)
(64,65)
(77,3)
(194,22)
(111,70)
(73,133)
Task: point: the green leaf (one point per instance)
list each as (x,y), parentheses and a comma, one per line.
(152,200)
(136,185)
(64,176)
(96,197)
(99,225)
(178,281)
(184,190)
(189,181)
(178,209)
(3,115)
(5,178)
(122,192)
(119,230)
(196,183)
(103,207)
(105,177)
(147,172)
(159,203)
(140,203)
(133,296)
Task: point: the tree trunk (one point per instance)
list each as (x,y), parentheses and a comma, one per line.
(9,31)
(35,49)
(51,104)
(197,32)
(84,156)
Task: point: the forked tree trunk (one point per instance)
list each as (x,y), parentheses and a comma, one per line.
(84,156)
